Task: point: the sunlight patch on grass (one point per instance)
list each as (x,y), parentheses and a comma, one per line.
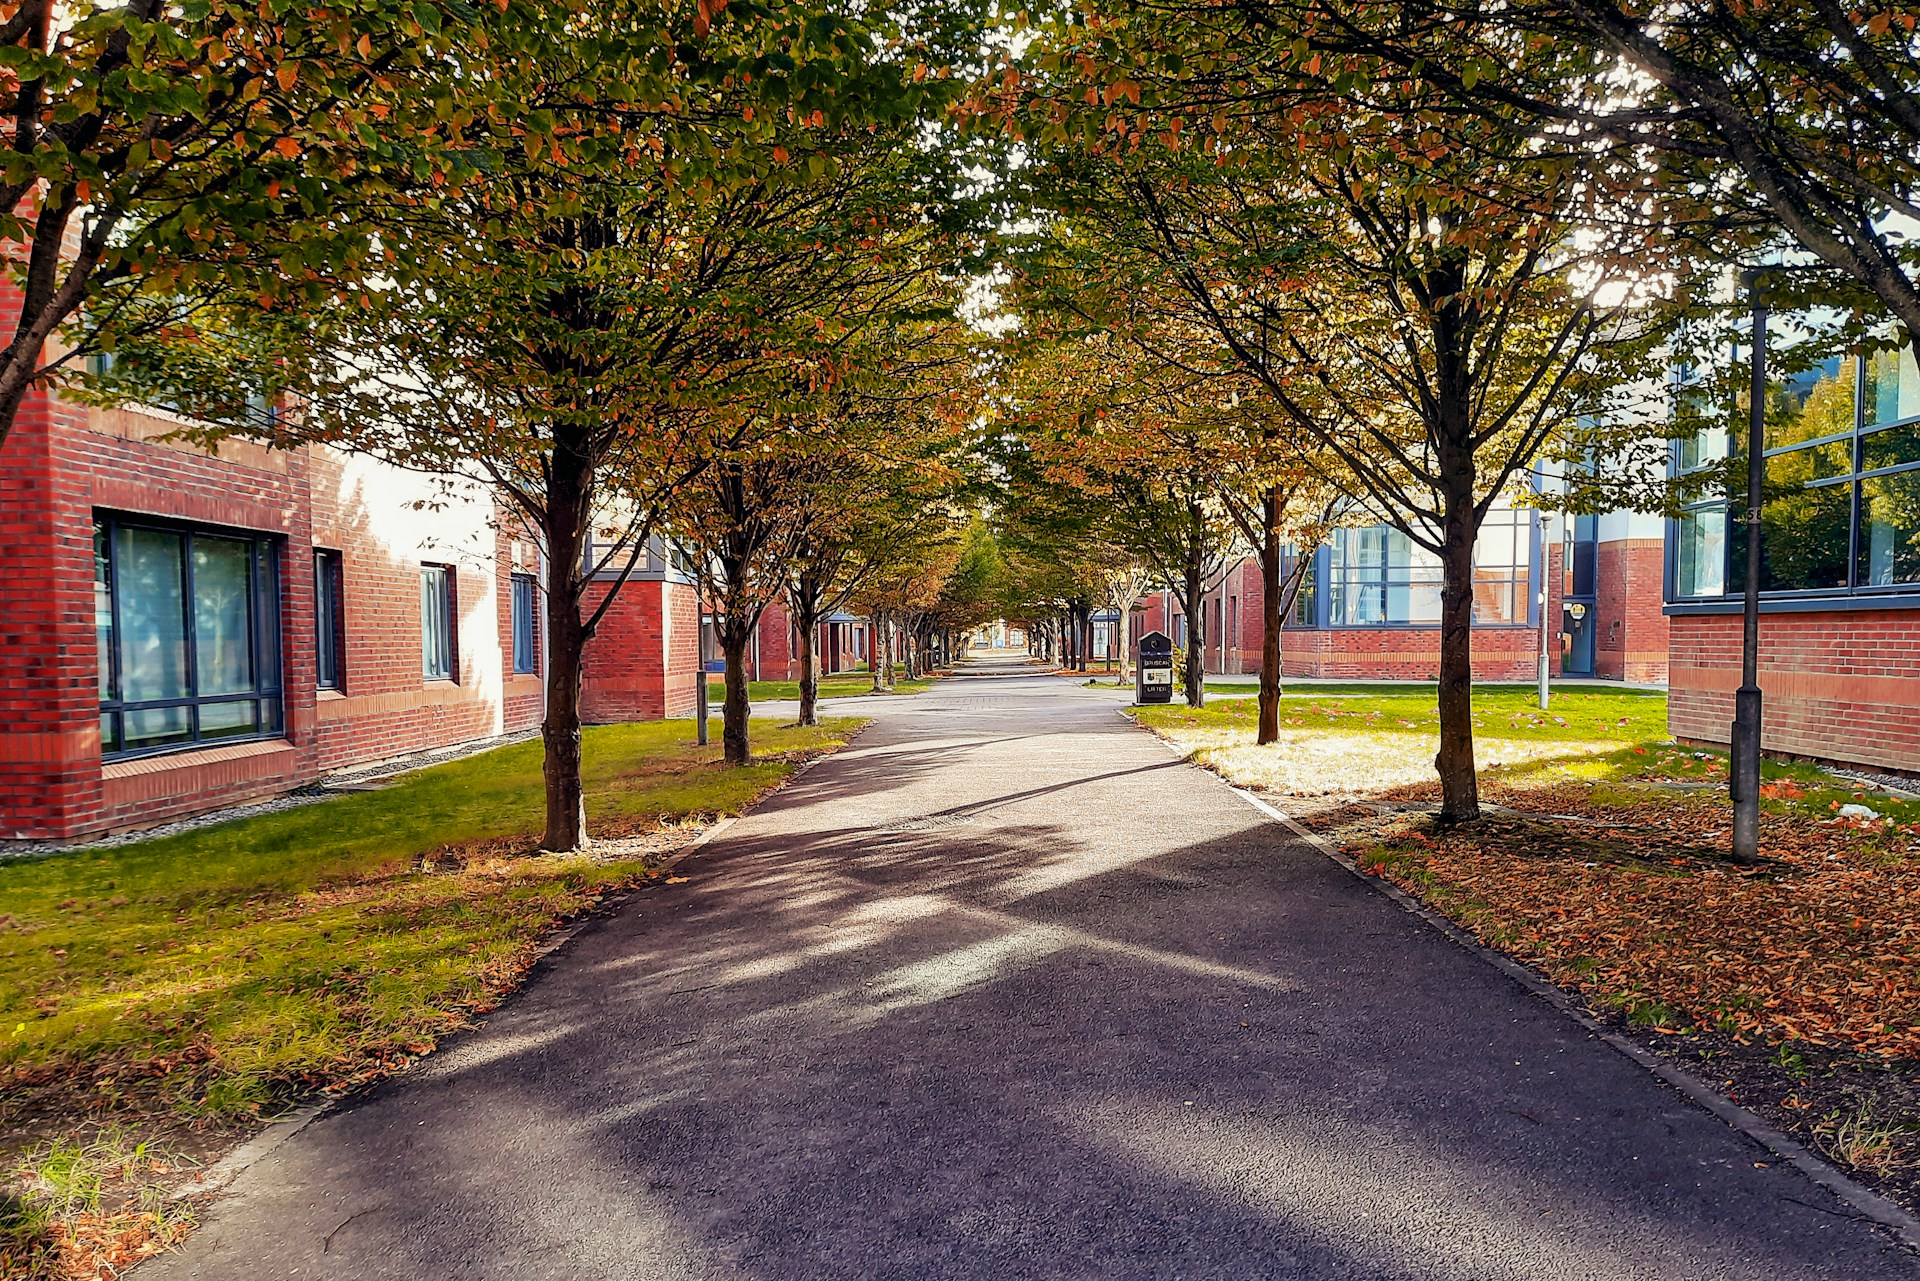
(840,686)
(1357,743)
(248,960)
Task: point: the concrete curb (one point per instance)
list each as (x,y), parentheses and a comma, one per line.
(217,1177)
(1872,1206)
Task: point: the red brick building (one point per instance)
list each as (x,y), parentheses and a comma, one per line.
(182,630)
(840,644)
(1369,608)
(1839,581)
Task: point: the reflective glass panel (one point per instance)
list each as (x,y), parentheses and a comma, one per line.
(1700,553)
(153,622)
(222,599)
(103,609)
(1709,444)
(1828,461)
(1493,600)
(156,727)
(1804,540)
(1890,529)
(224,720)
(1413,603)
(436,643)
(1893,386)
(1813,404)
(1893,447)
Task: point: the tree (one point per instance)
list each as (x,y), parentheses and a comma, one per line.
(888,462)
(156,153)
(581,321)
(1130,423)
(1815,105)
(1430,279)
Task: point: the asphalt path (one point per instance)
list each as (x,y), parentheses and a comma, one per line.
(1004,991)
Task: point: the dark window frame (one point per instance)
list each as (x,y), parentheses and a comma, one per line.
(1732,552)
(329,621)
(1341,579)
(264,640)
(448,652)
(519,586)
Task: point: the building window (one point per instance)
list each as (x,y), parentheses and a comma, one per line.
(1501,556)
(1842,473)
(1303,614)
(436,622)
(524,626)
(329,634)
(187,624)
(1378,577)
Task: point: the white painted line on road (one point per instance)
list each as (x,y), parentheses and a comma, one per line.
(1870,1204)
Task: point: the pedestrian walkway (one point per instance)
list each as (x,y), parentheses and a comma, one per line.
(1004,991)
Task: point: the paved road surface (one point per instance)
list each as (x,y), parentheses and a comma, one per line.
(1003,991)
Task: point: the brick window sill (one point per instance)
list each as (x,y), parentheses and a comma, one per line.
(198,757)
(329,695)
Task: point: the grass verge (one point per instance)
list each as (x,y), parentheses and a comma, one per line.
(1603,862)
(844,685)
(157,998)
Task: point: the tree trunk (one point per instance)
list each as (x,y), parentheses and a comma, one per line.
(560,730)
(1191,597)
(736,708)
(569,502)
(1270,616)
(876,639)
(1459,781)
(809,678)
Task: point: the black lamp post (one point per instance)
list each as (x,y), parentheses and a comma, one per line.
(1745,781)
(700,689)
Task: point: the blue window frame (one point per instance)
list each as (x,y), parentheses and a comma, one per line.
(437,651)
(1842,470)
(329,627)
(187,625)
(525,624)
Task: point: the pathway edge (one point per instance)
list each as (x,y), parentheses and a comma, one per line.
(1872,1206)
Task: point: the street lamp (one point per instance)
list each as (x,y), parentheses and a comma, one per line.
(700,689)
(1549,530)
(1744,785)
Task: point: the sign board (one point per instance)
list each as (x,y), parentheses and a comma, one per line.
(1153,670)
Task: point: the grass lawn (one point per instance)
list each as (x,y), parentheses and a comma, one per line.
(1603,863)
(154,996)
(1335,743)
(843,685)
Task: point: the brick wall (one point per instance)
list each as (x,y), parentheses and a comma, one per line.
(385,706)
(64,462)
(1840,686)
(1630,630)
(644,661)
(1405,653)
(515,550)
(50,751)
(773,657)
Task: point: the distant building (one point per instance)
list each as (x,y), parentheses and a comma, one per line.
(1839,579)
(842,643)
(1370,605)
